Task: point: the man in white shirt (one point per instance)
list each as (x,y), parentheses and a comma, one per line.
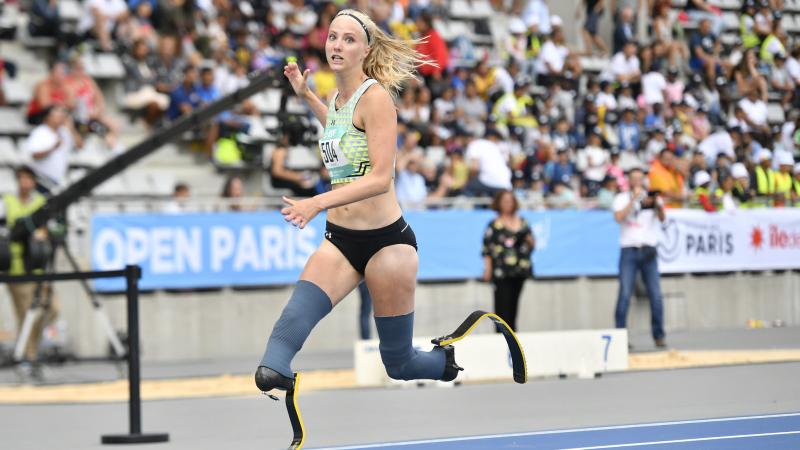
(639,215)
(489,171)
(625,64)
(718,142)
(99,17)
(49,146)
(755,110)
(654,87)
(553,55)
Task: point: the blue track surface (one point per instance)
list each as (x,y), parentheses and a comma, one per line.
(774,432)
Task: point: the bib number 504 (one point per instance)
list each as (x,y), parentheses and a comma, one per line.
(328,153)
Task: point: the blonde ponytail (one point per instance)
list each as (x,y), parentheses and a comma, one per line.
(390,61)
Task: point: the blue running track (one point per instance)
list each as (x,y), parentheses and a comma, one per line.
(773,432)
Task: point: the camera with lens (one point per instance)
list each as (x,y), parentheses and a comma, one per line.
(650,201)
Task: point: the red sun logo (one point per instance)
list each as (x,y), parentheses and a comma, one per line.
(756,238)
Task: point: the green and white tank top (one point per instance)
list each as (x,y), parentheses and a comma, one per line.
(343,146)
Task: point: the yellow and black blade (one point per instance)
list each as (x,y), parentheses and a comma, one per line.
(294,415)
(514,347)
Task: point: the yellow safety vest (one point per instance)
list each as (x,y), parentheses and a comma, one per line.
(14,210)
(765,54)
(715,198)
(519,116)
(765,181)
(749,38)
(783,183)
(739,188)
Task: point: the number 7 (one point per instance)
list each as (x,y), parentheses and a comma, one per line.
(607,338)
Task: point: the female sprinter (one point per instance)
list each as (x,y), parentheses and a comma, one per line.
(366,236)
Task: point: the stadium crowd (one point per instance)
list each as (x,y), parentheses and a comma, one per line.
(524,114)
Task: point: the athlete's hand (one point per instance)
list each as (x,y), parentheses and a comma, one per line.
(300,212)
(299,81)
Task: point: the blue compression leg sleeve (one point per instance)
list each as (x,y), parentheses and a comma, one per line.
(402,361)
(307,306)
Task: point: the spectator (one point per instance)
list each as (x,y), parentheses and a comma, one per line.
(232,193)
(606,194)
(624,31)
(595,167)
(563,196)
(489,171)
(49,147)
(591,37)
(90,105)
(796,184)
(431,47)
(781,81)
(640,216)
(701,126)
(99,19)
(178,203)
(629,131)
(755,112)
(44,19)
(24,203)
(764,175)
(700,11)
(301,183)
(666,179)
(703,197)
(536,14)
(719,142)
(410,183)
(748,78)
(665,44)
(562,169)
(725,190)
(675,87)
(175,17)
(508,243)
(615,170)
(185,98)
(606,98)
(705,49)
(53,90)
(137,26)
(773,43)
(168,65)
(139,84)
(742,191)
(513,110)
(552,60)
(747,28)
(654,88)
(784,180)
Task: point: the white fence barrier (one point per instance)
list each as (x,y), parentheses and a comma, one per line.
(581,353)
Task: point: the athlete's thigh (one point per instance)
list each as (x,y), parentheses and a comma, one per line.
(330,270)
(391,276)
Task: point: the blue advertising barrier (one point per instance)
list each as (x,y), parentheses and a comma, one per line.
(178,251)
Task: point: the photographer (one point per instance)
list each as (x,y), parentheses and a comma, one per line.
(639,214)
(24,203)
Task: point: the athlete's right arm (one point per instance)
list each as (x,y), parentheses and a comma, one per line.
(299,82)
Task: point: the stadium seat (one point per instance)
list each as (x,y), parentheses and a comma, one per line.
(8,184)
(114,187)
(731,20)
(17,91)
(775,113)
(268,101)
(436,155)
(70,10)
(12,123)
(104,66)
(91,155)
(301,157)
(9,157)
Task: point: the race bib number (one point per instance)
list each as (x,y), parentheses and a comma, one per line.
(338,164)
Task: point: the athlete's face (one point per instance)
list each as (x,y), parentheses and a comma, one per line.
(346,46)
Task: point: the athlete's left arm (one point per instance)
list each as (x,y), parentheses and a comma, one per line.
(379,117)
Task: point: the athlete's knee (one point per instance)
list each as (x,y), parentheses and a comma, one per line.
(398,372)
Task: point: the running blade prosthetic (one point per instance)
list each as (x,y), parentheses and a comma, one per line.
(266,380)
(514,347)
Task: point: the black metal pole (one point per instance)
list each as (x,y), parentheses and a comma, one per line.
(132,276)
